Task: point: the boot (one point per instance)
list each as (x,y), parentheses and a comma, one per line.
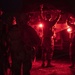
(72,66)
(49,64)
(43,64)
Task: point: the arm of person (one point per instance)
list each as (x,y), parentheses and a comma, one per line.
(70,24)
(52,23)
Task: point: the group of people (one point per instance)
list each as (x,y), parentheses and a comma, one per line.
(18,39)
(47,46)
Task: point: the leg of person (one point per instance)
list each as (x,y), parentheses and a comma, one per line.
(16,67)
(2,72)
(27,65)
(6,66)
(72,61)
(43,57)
(1,69)
(49,57)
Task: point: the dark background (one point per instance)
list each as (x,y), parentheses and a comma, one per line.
(15,6)
(28,5)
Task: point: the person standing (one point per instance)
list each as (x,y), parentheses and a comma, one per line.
(15,45)
(3,43)
(72,42)
(22,38)
(30,40)
(47,48)
(73,51)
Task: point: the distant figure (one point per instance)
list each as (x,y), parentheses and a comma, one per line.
(22,39)
(47,51)
(72,49)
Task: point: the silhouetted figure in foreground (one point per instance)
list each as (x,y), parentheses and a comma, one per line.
(30,40)
(15,45)
(22,40)
(3,44)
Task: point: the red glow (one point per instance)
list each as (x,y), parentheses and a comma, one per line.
(69,29)
(40,25)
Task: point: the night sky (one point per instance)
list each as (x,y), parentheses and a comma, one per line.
(28,5)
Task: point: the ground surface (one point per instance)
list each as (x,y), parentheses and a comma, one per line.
(61,68)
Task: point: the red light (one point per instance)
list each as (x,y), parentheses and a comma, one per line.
(69,29)
(40,25)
